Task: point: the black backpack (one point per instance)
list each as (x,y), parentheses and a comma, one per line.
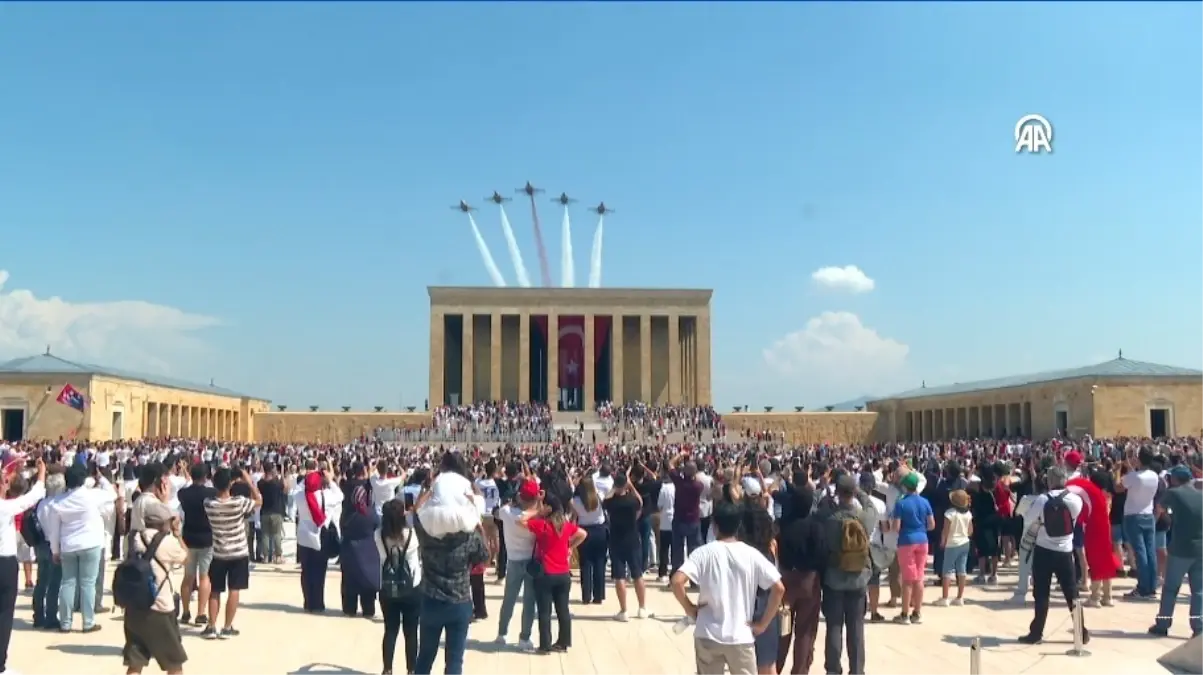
(1058,519)
(134,584)
(31,528)
(396,577)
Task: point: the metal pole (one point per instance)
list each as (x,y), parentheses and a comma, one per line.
(1078,649)
(975,656)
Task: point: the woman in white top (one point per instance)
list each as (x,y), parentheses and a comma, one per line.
(76,534)
(398,549)
(664,533)
(958,531)
(586,504)
(318,507)
(9,510)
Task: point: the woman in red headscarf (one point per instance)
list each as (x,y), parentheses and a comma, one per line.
(1100,554)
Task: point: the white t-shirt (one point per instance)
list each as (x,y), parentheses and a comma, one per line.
(1035,513)
(958,527)
(519,542)
(603,485)
(384,489)
(668,495)
(728,574)
(705,505)
(1142,488)
(876,536)
(488,488)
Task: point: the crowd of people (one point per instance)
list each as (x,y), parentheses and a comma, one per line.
(759,541)
(657,421)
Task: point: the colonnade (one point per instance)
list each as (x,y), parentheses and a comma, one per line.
(992,420)
(187,421)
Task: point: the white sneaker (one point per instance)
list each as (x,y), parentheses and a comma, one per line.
(659,580)
(942,602)
(641,613)
(526,645)
(621,616)
(501,640)
(958,602)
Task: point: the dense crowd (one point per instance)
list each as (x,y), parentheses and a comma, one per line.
(783,536)
(659,420)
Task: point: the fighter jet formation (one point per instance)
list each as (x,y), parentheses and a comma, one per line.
(566,259)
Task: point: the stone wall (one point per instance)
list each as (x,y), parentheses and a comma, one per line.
(331,427)
(1123,409)
(810,427)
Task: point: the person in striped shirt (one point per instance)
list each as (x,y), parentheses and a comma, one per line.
(231,566)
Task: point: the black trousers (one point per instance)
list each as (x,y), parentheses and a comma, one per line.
(353,600)
(313,578)
(844,612)
(553,590)
(502,557)
(1046,564)
(476,582)
(8,604)
(401,616)
(664,552)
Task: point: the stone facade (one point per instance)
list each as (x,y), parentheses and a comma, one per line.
(124,409)
(331,427)
(1101,407)
(840,428)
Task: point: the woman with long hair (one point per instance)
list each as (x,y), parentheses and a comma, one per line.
(398,547)
(359,559)
(756,531)
(591,517)
(555,537)
(987,525)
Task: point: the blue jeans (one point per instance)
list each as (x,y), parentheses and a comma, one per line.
(956,560)
(435,617)
(1139,531)
(1175,568)
(45,591)
(80,569)
(646,541)
(686,538)
(517,580)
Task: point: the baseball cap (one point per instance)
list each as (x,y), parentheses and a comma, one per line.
(1182,473)
(529,490)
(751,486)
(1073,458)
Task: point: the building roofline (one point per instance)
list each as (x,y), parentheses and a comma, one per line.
(510,296)
(93,370)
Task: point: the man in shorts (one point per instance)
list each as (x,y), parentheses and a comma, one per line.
(230,569)
(198,538)
(623,506)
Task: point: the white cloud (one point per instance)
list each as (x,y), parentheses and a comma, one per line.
(836,357)
(127,333)
(848,278)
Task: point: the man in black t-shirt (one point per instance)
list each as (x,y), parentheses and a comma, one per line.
(271,514)
(626,550)
(198,537)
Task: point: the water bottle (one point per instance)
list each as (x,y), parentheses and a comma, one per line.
(682,625)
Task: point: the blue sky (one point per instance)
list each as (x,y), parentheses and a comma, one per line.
(259,194)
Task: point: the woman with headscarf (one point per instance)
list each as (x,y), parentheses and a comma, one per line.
(317,506)
(358,558)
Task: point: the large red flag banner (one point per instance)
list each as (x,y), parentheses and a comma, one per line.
(569,344)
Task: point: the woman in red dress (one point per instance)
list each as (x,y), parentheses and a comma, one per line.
(1100,554)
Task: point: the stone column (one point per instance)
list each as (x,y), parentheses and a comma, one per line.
(234,426)
(467,393)
(616,393)
(589,377)
(437,357)
(1025,417)
(703,359)
(150,418)
(524,357)
(495,356)
(645,358)
(674,359)
(553,361)
(1010,419)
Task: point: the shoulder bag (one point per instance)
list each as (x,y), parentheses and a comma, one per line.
(328,539)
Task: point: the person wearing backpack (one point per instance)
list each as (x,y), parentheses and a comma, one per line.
(400,574)
(1053,516)
(846,578)
(142,586)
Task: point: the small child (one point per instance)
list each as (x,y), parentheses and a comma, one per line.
(451,507)
(958,530)
(476,580)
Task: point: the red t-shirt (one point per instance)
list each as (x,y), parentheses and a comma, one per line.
(1002,500)
(551,547)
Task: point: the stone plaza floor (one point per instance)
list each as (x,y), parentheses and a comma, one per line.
(278,638)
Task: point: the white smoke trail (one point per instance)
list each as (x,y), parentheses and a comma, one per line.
(490,265)
(515,252)
(566,270)
(596,258)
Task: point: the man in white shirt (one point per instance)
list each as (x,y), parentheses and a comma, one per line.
(1053,514)
(1140,526)
(384,488)
(728,573)
(75,530)
(520,546)
(9,510)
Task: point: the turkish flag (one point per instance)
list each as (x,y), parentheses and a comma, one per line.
(571,345)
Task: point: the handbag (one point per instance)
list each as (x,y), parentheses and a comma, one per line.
(328,539)
(534,566)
